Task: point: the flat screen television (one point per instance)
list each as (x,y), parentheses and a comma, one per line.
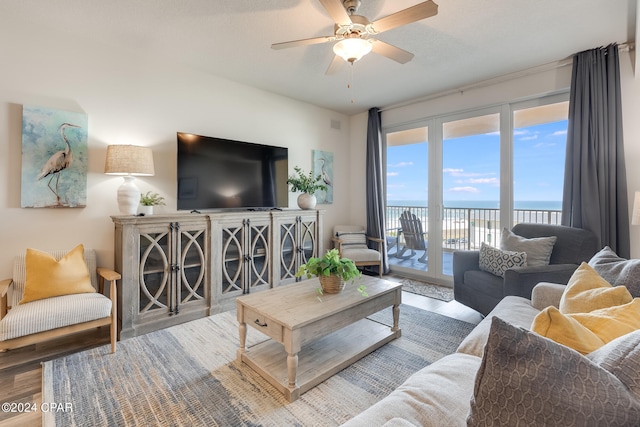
(217,173)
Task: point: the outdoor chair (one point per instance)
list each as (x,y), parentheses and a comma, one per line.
(413,237)
(351,242)
(74,305)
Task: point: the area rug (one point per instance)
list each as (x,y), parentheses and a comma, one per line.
(186,375)
(442,293)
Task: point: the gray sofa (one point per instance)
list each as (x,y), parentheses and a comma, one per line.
(439,395)
(446,392)
(482,290)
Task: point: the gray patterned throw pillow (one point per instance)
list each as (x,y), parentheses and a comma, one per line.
(496,261)
(529,380)
(617,271)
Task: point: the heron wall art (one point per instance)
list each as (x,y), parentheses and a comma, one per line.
(54,158)
(323,166)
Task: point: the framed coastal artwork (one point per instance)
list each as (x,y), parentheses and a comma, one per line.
(54,158)
(323,165)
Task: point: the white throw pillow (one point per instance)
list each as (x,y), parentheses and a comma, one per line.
(538,249)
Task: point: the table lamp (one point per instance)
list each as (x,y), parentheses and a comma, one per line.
(129,160)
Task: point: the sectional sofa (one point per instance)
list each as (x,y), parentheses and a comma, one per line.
(504,374)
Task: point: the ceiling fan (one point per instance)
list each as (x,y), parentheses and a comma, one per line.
(352,32)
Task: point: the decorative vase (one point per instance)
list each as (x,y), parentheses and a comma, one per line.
(331,284)
(306,201)
(146,210)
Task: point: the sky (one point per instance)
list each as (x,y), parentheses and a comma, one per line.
(471,169)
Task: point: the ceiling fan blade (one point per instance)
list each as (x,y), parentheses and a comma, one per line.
(406,16)
(335,65)
(337,11)
(391,51)
(303,42)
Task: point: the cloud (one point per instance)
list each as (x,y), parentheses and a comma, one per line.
(393,173)
(400,164)
(464,190)
(462,174)
(559,132)
(493,181)
(545,145)
(452,171)
(483,181)
(528,138)
(395,186)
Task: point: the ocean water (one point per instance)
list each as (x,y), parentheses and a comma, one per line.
(548,205)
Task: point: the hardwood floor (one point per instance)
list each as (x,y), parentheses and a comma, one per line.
(21,370)
(21,373)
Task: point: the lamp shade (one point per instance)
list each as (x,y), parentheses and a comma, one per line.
(635,215)
(352,49)
(129,160)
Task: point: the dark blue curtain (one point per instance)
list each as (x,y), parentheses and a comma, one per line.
(595,185)
(376,220)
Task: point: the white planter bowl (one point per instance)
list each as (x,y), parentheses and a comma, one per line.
(307,201)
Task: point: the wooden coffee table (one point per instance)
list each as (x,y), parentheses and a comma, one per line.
(312,340)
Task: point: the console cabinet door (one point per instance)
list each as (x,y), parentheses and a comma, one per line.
(190,267)
(298,238)
(242,261)
(164,267)
(154,275)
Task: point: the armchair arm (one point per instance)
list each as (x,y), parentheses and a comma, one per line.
(520,281)
(4,288)
(377,240)
(464,261)
(337,243)
(547,294)
(109,275)
(112,277)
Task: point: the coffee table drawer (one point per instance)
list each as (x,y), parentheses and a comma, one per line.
(264,325)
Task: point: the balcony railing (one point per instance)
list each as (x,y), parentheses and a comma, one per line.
(466,228)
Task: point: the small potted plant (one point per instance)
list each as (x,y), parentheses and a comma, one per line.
(332,272)
(308,185)
(148,201)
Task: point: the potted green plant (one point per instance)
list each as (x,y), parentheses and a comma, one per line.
(148,201)
(332,272)
(308,184)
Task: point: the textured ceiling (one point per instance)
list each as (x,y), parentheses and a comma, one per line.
(466,42)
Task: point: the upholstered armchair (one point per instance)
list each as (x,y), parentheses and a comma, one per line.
(482,290)
(31,313)
(351,242)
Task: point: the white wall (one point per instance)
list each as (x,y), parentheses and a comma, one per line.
(540,83)
(130,99)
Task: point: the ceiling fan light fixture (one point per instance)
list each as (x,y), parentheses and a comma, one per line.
(352,49)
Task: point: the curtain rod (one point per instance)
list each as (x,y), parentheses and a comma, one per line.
(622,47)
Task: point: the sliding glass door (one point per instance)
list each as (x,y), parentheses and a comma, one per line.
(407,198)
(453,182)
(470,184)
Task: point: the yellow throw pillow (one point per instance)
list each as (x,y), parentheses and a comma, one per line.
(46,277)
(586,332)
(613,322)
(588,291)
(565,330)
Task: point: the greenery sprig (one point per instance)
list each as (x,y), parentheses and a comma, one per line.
(151,199)
(306,183)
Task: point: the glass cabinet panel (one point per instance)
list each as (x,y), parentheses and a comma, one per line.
(154,271)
